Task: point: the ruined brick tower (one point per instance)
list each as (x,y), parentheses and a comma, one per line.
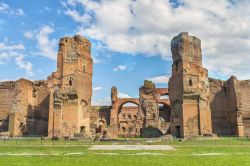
(189,88)
(71,89)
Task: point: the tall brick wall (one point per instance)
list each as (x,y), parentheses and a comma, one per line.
(71,89)
(223,107)
(29,110)
(243,88)
(6,96)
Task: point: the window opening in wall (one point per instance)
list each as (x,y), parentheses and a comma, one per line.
(129,116)
(190,82)
(84,68)
(70,82)
(82,129)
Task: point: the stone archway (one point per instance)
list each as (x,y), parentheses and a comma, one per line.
(128,119)
(101,125)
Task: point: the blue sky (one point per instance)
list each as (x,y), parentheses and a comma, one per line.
(130,38)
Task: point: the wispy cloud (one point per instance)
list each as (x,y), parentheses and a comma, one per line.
(29,34)
(97,89)
(106,101)
(5,8)
(123,95)
(83,19)
(4,47)
(120,68)
(45,43)
(10,53)
(127,67)
(159,79)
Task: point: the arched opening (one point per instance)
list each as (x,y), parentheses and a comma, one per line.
(127,116)
(100,125)
(164,117)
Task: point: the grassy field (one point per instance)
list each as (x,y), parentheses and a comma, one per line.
(225,151)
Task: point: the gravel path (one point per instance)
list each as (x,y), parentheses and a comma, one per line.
(131,147)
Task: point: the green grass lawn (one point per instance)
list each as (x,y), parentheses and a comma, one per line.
(226,152)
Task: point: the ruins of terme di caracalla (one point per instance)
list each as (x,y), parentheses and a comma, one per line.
(61,105)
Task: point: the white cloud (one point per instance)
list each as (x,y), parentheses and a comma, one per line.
(19,12)
(120,68)
(29,35)
(83,19)
(22,64)
(97,89)
(96,60)
(123,95)
(4,47)
(159,79)
(4,8)
(10,53)
(45,44)
(147,27)
(106,101)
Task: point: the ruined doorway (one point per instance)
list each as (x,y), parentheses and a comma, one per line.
(82,129)
(178,131)
(164,118)
(99,129)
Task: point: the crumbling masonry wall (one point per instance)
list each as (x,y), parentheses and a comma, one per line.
(189,88)
(223,106)
(230,107)
(243,111)
(29,108)
(6,96)
(71,89)
(61,106)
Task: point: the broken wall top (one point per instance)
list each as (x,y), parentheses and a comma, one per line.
(186,48)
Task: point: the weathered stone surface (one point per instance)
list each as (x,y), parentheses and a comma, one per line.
(29,108)
(230,106)
(71,89)
(149,104)
(189,88)
(61,106)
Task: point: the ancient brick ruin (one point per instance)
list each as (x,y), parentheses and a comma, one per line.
(189,88)
(60,106)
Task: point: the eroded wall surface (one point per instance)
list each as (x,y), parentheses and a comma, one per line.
(189,88)
(6,96)
(61,106)
(71,89)
(223,107)
(243,113)
(28,113)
